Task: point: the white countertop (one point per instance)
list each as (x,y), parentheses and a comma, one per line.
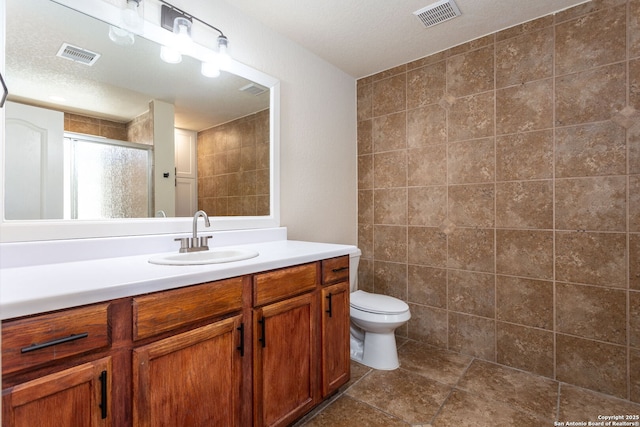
(39,288)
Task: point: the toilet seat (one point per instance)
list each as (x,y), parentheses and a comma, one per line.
(377,304)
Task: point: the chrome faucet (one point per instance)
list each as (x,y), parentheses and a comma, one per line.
(195,243)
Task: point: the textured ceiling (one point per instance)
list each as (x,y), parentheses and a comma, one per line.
(123,80)
(363,37)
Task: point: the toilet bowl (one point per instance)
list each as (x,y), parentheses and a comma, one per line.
(374,319)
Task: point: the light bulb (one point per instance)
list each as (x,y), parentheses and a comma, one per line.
(182,31)
(209,69)
(170,55)
(224,60)
(131,18)
(121,36)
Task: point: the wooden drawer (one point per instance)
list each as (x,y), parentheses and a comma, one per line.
(335,270)
(286,282)
(164,311)
(33,341)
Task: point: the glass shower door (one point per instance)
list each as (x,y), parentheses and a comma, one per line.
(108,179)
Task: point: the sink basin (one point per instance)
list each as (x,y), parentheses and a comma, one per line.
(212,256)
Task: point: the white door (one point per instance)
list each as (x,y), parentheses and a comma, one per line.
(186,153)
(186,158)
(186,197)
(33,162)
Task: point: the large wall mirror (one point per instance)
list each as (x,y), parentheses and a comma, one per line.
(127,143)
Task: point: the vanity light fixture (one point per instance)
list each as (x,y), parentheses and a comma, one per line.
(170,55)
(131,22)
(210,69)
(182,30)
(181,43)
(121,36)
(221,61)
(132,17)
(179,22)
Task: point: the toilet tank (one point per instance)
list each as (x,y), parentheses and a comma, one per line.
(354,260)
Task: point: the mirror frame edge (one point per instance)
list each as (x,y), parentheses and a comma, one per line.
(27,231)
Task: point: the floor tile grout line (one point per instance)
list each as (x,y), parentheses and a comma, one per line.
(453,388)
(457,387)
(311,415)
(395,417)
(501,402)
(557,418)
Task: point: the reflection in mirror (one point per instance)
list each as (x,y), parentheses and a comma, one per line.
(106,178)
(219,155)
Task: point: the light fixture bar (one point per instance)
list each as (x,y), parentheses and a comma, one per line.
(184,14)
(179,22)
(169,15)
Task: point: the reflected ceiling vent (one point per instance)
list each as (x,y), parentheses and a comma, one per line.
(77,54)
(253,89)
(438,12)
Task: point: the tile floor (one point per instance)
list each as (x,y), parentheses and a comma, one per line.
(434,387)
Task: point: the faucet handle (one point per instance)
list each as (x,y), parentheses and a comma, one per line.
(184,244)
(204,242)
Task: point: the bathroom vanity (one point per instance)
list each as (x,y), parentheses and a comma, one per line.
(261,348)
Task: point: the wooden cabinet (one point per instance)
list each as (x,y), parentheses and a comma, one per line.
(190,379)
(285,373)
(160,312)
(285,377)
(336,363)
(76,396)
(260,350)
(35,341)
(77,392)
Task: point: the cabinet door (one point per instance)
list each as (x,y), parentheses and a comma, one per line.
(77,396)
(190,379)
(336,363)
(285,370)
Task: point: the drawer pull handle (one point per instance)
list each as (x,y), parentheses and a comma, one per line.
(240,348)
(103,394)
(34,347)
(338,270)
(263,338)
(330,309)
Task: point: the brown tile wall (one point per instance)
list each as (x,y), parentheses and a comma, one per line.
(93,126)
(138,130)
(499,195)
(233,167)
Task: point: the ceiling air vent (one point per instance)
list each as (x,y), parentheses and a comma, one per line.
(77,54)
(438,12)
(253,89)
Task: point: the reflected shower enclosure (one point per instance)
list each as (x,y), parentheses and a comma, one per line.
(106,179)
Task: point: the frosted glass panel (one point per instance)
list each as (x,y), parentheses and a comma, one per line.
(109,181)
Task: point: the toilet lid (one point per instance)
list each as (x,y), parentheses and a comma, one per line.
(376,303)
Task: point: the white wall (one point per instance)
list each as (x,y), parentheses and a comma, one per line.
(164,189)
(318,125)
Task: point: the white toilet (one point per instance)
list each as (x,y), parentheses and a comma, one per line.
(374,319)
